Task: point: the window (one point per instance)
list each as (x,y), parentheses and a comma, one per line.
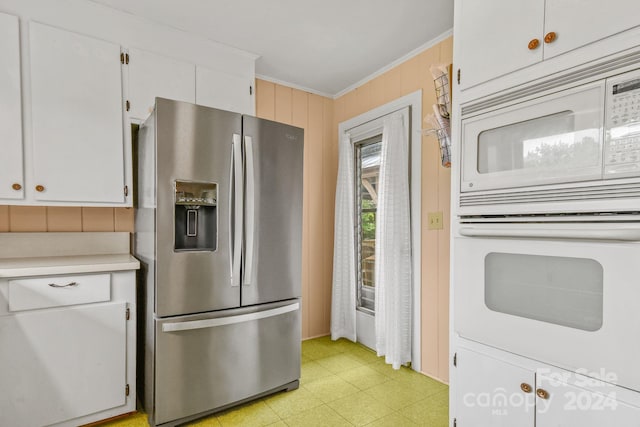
(367,169)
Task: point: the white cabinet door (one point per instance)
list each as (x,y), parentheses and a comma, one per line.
(578,23)
(78,146)
(494,37)
(60,364)
(569,405)
(489,392)
(11,174)
(225,91)
(152,75)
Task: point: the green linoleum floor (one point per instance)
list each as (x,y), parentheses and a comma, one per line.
(342,384)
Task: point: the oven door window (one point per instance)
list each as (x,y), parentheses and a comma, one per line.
(560,290)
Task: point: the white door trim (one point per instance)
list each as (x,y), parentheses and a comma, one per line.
(413,100)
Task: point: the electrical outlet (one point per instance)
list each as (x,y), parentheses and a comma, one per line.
(434,221)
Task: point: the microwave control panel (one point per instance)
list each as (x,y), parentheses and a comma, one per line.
(622,139)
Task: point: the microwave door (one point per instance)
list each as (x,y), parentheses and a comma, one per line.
(551,140)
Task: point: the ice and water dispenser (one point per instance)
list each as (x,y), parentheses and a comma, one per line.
(196,215)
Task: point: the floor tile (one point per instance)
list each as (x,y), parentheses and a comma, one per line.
(312,371)
(363,377)
(363,354)
(432,411)
(316,350)
(360,409)
(211,421)
(330,388)
(339,363)
(293,402)
(393,394)
(392,420)
(343,383)
(321,416)
(252,414)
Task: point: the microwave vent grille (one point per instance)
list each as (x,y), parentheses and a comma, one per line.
(593,69)
(602,192)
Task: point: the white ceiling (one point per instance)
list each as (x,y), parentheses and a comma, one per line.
(322,45)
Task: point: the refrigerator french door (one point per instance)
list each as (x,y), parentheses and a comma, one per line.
(218,230)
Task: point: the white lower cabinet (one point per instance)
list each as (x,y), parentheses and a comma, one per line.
(495,389)
(489,392)
(63,364)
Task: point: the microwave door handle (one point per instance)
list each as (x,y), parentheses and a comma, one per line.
(250,228)
(621,234)
(235,204)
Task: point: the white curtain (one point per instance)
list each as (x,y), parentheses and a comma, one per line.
(343,297)
(393,246)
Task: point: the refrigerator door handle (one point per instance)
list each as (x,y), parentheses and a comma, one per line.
(235,204)
(229,320)
(250,210)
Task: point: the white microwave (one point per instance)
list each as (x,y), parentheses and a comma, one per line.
(576,150)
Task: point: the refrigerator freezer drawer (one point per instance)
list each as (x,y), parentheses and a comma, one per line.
(207,361)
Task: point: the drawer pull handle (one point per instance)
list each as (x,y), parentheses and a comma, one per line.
(68,285)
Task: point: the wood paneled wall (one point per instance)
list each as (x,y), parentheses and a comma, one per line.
(320,118)
(315,115)
(408,77)
(55,218)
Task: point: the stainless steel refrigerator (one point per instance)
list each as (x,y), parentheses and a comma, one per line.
(218,233)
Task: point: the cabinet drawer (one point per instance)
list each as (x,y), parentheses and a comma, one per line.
(57,291)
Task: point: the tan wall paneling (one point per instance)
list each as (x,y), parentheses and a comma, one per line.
(4,219)
(405,78)
(98,219)
(65,219)
(61,218)
(265,100)
(317,305)
(314,114)
(300,113)
(27,218)
(284,104)
(124,219)
(330,177)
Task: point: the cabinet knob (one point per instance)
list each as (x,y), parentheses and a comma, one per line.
(16,186)
(550,37)
(542,394)
(533,44)
(39,188)
(526,388)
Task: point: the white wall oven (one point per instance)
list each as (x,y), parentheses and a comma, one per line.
(565,294)
(574,150)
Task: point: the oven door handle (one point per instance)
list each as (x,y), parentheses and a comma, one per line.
(621,234)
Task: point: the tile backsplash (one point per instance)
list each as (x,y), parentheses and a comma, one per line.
(59,218)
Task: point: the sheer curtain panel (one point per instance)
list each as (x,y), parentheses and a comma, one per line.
(393,246)
(343,297)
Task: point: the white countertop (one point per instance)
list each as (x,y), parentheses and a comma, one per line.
(42,266)
(40,254)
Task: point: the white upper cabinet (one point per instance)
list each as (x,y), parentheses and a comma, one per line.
(494,36)
(217,89)
(11,173)
(77,118)
(498,37)
(577,23)
(152,75)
